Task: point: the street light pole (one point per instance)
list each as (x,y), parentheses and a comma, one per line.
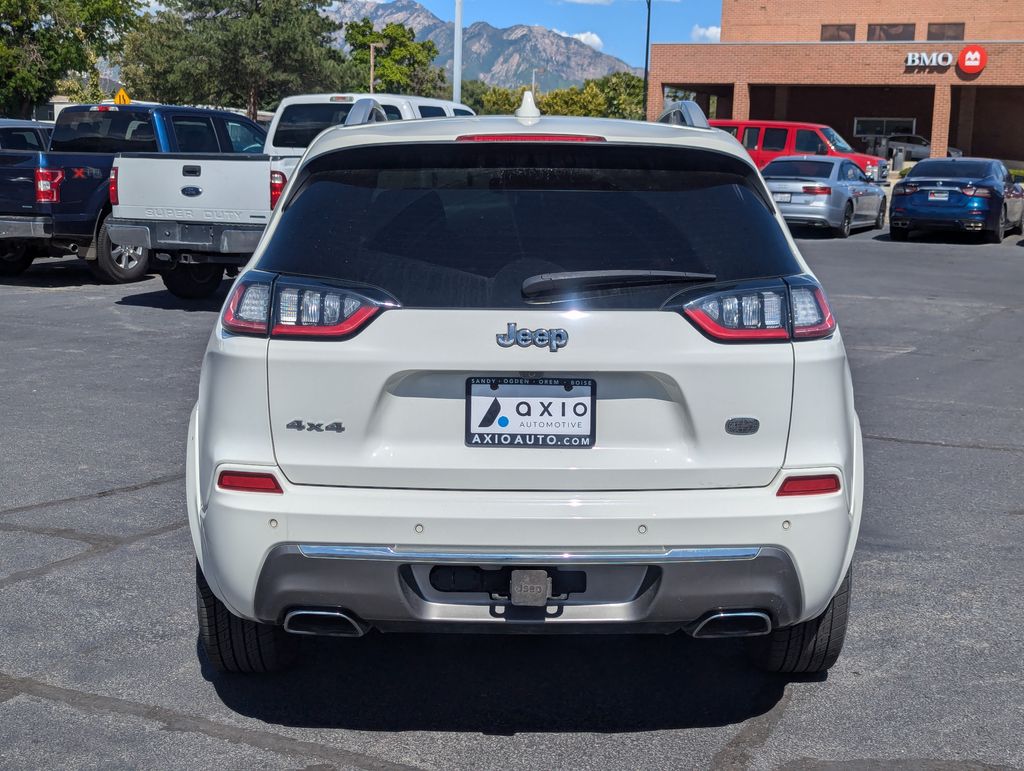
(457,55)
(373,61)
(647,56)
(533,79)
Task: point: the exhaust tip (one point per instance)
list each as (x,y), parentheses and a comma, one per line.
(749,623)
(323,623)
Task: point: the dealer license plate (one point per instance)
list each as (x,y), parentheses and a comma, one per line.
(530,412)
(938,195)
(782,197)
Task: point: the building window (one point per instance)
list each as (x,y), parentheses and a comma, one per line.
(881,32)
(834,32)
(883,127)
(946,31)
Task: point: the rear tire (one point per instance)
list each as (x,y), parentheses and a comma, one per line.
(898,234)
(15,259)
(846,225)
(880,219)
(117,264)
(813,646)
(996,236)
(193,282)
(234,644)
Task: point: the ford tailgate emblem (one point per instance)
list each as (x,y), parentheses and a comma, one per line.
(191,191)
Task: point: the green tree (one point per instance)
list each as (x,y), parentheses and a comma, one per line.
(42,40)
(248,53)
(83,87)
(501,101)
(586,101)
(402,65)
(473,92)
(623,94)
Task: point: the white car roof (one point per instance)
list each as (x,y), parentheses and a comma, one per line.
(449,129)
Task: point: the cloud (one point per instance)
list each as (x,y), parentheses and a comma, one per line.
(701,34)
(591,39)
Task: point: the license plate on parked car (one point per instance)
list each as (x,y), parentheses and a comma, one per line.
(530,412)
(938,195)
(782,197)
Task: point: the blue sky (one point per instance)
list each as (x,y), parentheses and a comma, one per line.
(614,26)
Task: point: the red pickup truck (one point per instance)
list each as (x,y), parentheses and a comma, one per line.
(767,140)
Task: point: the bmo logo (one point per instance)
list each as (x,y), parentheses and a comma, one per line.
(972,60)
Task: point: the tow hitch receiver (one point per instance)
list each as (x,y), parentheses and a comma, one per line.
(530,588)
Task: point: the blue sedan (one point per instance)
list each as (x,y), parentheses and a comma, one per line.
(966,194)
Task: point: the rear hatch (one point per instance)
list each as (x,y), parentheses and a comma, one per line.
(454,246)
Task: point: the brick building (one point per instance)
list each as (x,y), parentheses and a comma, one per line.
(946,70)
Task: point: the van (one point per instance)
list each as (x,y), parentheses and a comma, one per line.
(767,140)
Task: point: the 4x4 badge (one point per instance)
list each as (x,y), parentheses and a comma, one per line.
(552,339)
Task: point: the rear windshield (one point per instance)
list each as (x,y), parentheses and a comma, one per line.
(950,169)
(104,131)
(813,169)
(300,123)
(462,225)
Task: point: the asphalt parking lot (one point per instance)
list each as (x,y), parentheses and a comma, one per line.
(98,658)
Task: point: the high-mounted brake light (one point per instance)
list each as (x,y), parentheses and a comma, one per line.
(817,190)
(103,108)
(249,482)
(48,183)
(112,186)
(529,138)
(821,484)
(277,183)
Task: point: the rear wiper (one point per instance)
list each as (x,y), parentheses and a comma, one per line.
(546,283)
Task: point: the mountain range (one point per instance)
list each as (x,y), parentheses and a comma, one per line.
(501,57)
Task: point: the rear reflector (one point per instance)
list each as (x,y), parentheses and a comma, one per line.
(811,485)
(248,482)
(529,138)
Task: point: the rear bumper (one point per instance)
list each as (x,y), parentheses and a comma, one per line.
(809,215)
(26,228)
(650,592)
(185,236)
(943,218)
(654,560)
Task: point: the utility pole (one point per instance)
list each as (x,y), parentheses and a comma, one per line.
(457,56)
(373,61)
(647,56)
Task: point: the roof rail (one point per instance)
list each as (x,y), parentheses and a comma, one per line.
(684,113)
(365,110)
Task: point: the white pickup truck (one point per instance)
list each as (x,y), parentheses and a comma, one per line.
(200,214)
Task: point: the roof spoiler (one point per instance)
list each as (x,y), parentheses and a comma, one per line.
(365,110)
(684,113)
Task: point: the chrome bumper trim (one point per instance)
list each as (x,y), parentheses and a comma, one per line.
(393,554)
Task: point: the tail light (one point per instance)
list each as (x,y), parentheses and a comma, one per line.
(794,309)
(48,183)
(112,186)
(976,192)
(907,188)
(249,482)
(262,304)
(277,183)
(821,484)
(817,190)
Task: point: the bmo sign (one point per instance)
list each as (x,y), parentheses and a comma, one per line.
(971,60)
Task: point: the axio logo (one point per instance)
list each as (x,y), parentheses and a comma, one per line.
(934,59)
(972,60)
(552,339)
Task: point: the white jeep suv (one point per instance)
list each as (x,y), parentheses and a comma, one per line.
(518,375)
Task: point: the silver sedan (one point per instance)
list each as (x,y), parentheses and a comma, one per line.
(825,192)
